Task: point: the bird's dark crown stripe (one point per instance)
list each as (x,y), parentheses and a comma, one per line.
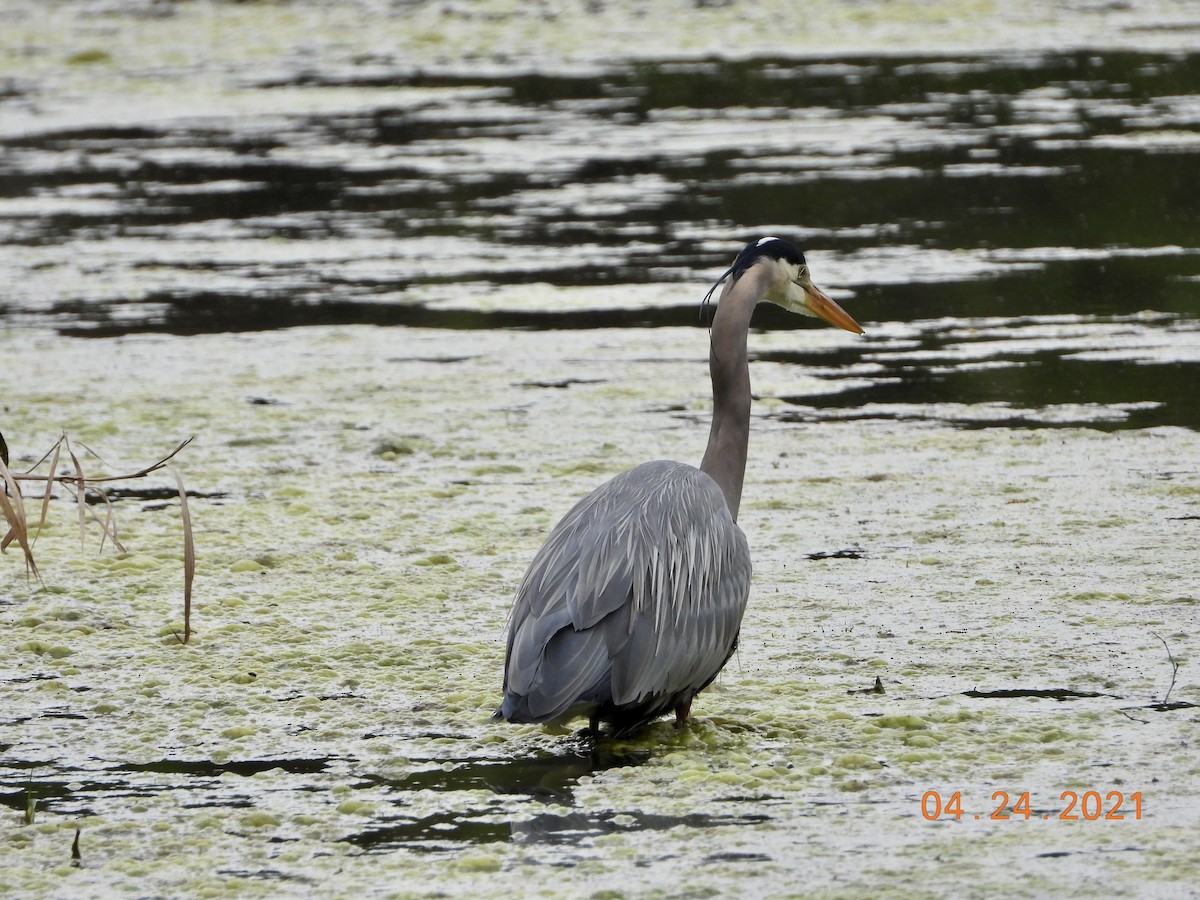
(769,247)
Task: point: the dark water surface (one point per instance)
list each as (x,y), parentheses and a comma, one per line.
(1019,235)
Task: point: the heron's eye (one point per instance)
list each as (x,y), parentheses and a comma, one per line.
(801,274)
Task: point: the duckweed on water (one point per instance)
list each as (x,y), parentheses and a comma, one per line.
(327,732)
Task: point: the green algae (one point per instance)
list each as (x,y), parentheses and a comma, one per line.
(89,57)
(356,610)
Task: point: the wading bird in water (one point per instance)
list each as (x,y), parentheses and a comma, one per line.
(635,601)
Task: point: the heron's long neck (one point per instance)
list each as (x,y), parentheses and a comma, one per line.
(725,458)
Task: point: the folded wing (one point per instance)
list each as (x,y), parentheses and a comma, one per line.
(633,603)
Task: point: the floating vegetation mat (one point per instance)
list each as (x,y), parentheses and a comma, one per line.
(939,614)
(416,276)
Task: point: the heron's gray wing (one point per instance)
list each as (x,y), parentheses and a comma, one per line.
(551,667)
(639,591)
(556,658)
(688,605)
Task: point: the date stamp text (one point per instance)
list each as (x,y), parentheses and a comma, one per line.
(1089,806)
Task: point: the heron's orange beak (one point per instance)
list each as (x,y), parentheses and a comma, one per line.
(826,310)
(817,302)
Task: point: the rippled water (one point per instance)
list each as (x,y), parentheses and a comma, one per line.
(1017,233)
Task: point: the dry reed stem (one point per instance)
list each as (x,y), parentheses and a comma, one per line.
(109,525)
(80,493)
(13,507)
(189,556)
(46,492)
(14,513)
(70,479)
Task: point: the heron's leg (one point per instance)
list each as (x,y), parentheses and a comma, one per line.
(594,725)
(682,711)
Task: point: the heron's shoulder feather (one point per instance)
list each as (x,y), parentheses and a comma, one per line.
(638,591)
(641,520)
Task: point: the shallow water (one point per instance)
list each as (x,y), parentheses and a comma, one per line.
(413,302)
(1017,231)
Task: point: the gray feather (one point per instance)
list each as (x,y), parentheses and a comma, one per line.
(633,604)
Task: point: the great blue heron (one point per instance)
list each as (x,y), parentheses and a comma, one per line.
(635,601)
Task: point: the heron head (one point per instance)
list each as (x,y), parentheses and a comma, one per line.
(789,285)
(800,295)
(793,287)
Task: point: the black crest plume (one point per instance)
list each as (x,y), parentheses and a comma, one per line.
(770,247)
